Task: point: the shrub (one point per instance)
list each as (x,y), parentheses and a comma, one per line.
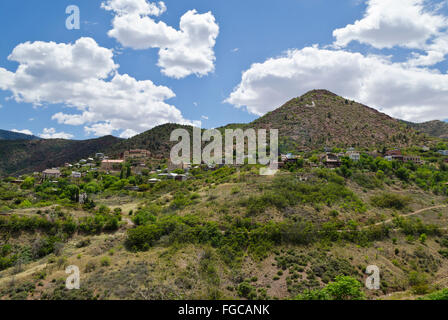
(344,288)
(438,295)
(390,200)
(419,282)
(143,237)
(246,290)
(105,261)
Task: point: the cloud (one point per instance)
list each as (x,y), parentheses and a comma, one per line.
(408,90)
(183,52)
(83,76)
(409,93)
(25,131)
(411,24)
(405,23)
(50,133)
(204,117)
(128,134)
(140,7)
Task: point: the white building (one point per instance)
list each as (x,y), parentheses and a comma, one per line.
(353,155)
(76,175)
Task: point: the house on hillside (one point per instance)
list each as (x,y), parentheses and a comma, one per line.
(99,156)
(394,155)
(181,177)
(136,154)
(111,165)
(181,166)
(76,175)
(414,159)
(353,155)
(51,174)
(443,152)
(331,160)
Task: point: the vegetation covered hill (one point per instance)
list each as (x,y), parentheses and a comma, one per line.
(434,128)
(321,118)
(18,157)
(9,135)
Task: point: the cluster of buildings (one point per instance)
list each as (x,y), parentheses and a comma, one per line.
(136,157)
(396,155)
(139,157)
(332,160)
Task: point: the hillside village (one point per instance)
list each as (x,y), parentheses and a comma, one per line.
(140,163)
(140,227)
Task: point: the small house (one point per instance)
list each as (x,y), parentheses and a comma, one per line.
(394,155)
(353,155)
(137,154)
(51,174)
(76,175)
(181,177)
(414,159)
(111,165)
(331,160)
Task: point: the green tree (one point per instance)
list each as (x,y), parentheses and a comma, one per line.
(345,288)
(28,183)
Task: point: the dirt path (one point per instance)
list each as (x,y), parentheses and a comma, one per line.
(407,215)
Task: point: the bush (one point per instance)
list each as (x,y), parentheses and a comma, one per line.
(344,288)
(246,290)
(419,282)
(438,295)
(143,237)
(390,201)
(105,261)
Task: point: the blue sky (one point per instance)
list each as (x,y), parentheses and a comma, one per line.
(250,32)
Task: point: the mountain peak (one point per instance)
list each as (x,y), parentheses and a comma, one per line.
(319,93)
(321,118)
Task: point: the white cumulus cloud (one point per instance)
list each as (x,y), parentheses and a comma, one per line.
(183,52)
(141,7)
(83,76)
(412,24)
(25,131)
(50,133)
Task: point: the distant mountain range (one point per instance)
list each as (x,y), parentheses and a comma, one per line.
(20,156)
(434,128)
(315,120)
(10,135)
